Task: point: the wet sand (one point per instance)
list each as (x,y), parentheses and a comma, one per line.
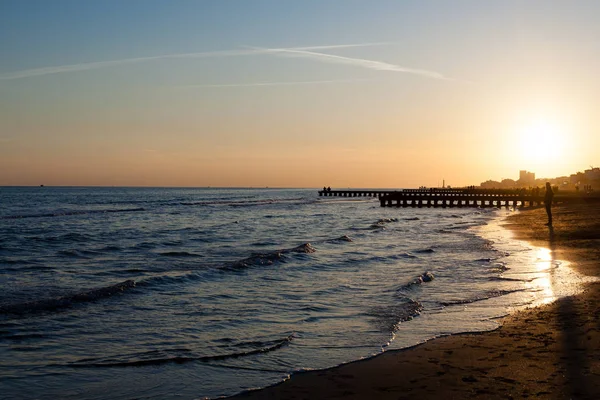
(550,352)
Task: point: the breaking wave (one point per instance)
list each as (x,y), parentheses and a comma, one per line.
(387,318)
(179,356)
(425,277)
(259,259)
(57,303)
(484,296)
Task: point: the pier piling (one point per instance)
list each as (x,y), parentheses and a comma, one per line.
(448,198)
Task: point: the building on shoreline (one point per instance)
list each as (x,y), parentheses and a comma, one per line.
(526,178)
(588,180)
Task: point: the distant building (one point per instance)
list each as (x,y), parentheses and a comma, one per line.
(577,178)
(508,183)
(592,174)
(490,184)
(526,178)
(588,180)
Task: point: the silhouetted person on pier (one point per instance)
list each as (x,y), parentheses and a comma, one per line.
(548,202)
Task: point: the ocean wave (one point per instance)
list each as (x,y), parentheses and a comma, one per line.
(406,255)
(162,280)
(382,222)
(111,248)
(57,303)
(341,199)
(240,203)
(73,253)
(499,267)
(180,356)
(171,243)
(457,227)
(17,337)
(425,277)
(505,279)
(64,238)
(27,267)
(178,254)
(425,251)
(387,318)
(447,216)
(144,245)
(268,258)
(344,238)
(256,259)
(69,213)
(11,261)
(483,296)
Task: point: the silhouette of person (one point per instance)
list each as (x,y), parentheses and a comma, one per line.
(548,202)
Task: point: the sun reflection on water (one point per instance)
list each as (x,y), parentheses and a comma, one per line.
(543,277)
(544,264)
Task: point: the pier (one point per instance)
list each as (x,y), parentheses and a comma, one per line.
(356,192)
(436,197)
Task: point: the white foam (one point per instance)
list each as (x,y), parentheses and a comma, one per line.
(535,276)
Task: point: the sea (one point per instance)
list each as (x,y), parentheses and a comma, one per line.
(189,293)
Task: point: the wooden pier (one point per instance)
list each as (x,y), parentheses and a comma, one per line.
(453,197)
(356,192)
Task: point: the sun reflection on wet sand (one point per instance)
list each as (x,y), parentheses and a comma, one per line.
(544,264)
(521,276)
(545,278)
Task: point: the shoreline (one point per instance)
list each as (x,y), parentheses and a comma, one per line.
(551,351)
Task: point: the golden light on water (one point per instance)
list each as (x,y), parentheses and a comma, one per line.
(544,256)
(544,264)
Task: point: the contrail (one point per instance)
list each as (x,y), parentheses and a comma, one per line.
(291,83)
(104,64)
(359,62)
(27,73)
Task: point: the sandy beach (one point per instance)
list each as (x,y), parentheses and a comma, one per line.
(550,352)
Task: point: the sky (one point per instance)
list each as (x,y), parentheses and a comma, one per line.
(281,93)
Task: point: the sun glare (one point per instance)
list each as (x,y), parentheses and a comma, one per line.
(541,141)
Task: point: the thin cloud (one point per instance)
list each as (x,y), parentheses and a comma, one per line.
(28,73)
(291,83)
(358,62)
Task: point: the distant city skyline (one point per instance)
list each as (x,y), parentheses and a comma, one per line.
(343,93)
(589,177)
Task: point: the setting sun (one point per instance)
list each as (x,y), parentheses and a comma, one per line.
(542,143)
(542,139)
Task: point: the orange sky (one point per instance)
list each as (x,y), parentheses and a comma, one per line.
(394,96)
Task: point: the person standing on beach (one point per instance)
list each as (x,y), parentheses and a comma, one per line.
(548,202)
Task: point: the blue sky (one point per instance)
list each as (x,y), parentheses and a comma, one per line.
(252,93)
